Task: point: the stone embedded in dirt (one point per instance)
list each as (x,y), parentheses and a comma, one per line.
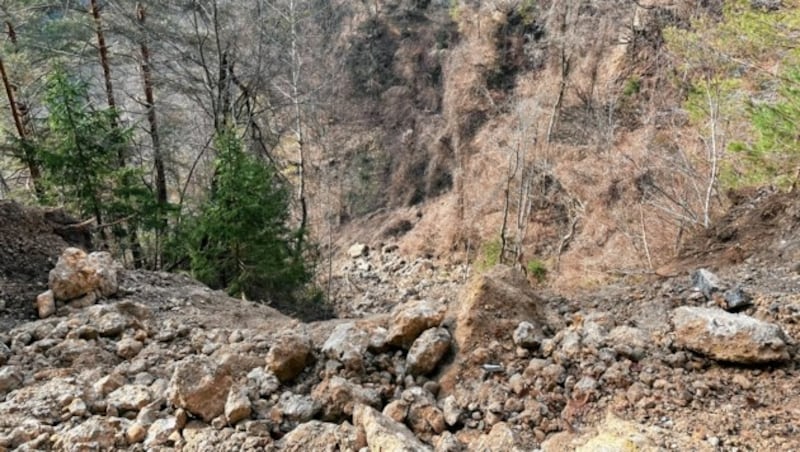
(5,353)
(383,434)
(410,319)
(501,437)
(396,410)
(262,383)
(45,304)
(358,250)
(162,432)
(135,433)
(108,383)
(11,378)
(706,282)
(427,350)
(423,416)
(723,336)
(337,396)
(319,436)
(628,341)
(129,398)
(347,344)
(237,407)
(527,336)
(200,387)
(128,348)
(288,357)
(452,412)
(737,300)
(77,274)
(109,323)
(95,433)
(296,408)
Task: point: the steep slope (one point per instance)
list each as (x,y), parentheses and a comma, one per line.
(552,130)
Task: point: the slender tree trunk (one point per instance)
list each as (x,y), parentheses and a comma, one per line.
(103,49)
(158,158)
(27,153)
(298,126)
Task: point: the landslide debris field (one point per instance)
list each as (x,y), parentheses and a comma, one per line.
(428,361)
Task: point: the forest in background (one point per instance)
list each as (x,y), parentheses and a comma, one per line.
(232,139)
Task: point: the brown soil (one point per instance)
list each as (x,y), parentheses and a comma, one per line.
(30,242)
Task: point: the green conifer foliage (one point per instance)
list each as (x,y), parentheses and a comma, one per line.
(240,240)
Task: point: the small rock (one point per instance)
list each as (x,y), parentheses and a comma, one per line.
(427,350)
(396,410)
(288,357)
(337,396)
(129,398)
(237,407)
(501,437)
(262,383)
(77,408)
(135,433)
(628,341)
(357,250)
(382,433)
(5,353)
(128,348)
(45,304)
(451,410)
(108,383)
(297,408)
(527,336)
(10,379)
(737,300)
(706,282)
(160,433)
(319,436)
(723,336)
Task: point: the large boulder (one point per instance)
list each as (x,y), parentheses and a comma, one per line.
(288,357)
(735,338)
(382,433)
(426,352)
(200,387)
(410,319)
(77,274)
(347,344)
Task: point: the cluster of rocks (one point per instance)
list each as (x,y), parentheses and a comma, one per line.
(495,367)
(373,280)
(78,280)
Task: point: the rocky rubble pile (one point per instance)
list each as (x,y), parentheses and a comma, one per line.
(374,279)
(496,366)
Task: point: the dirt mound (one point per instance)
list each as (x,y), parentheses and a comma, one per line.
(761,225)
(30,242)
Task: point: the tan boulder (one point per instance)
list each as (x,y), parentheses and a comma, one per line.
(410,319)
(288,357)
(200,387)
(77,274)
